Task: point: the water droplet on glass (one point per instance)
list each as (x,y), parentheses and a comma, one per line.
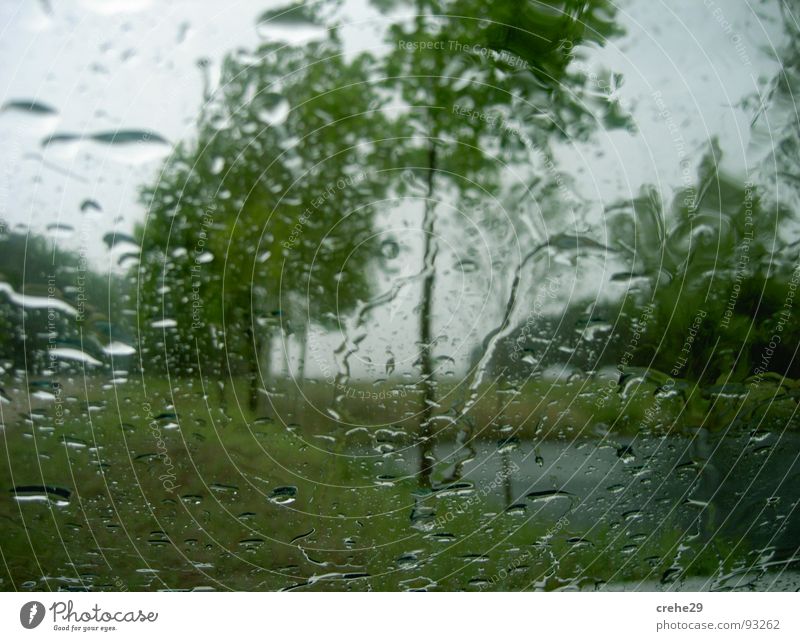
(117,348)
(217,165)
(73,354)
(390,249)
(164,323)
(33,107)
(275,110)
(283,495)
(51,494)
(293,26)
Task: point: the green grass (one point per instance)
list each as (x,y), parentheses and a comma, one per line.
(356,493)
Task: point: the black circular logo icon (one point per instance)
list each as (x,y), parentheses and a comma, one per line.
(31,614)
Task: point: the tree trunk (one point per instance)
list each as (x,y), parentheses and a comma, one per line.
(427,459)
(253,371)
(222,379)
(300,379)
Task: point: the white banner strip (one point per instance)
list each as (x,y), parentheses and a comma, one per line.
(369,616)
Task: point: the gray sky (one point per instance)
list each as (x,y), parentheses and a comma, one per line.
(131,64)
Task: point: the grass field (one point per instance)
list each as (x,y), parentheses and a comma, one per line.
(172,486)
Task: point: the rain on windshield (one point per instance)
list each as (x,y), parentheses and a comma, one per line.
(399,295)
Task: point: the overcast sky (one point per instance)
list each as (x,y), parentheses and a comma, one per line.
(132,64)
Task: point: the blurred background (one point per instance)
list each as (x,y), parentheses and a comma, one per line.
(399,295)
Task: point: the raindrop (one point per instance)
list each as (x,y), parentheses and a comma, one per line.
(217,165)
(57,496)
(422,517)
(32,107)
(407,561)
(112,239)
(293,26)
(385,480)
(304,535)
(545,496)
(119,137)
(275,111)
(60,230)
(632,515)
(251,543)
(159,538)
(390,249)
(283,495)
(37,302)
(390,365)
(117,348)
(626,453)
(462,488)
(74,443)
(577,541)
(223,488)
(443,537)
(508,445)
(164,323)
(72,354)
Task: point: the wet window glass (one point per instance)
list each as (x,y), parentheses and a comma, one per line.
(399,295)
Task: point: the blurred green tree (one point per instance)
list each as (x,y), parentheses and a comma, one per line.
(487,87)
(50,298)
(264,211)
